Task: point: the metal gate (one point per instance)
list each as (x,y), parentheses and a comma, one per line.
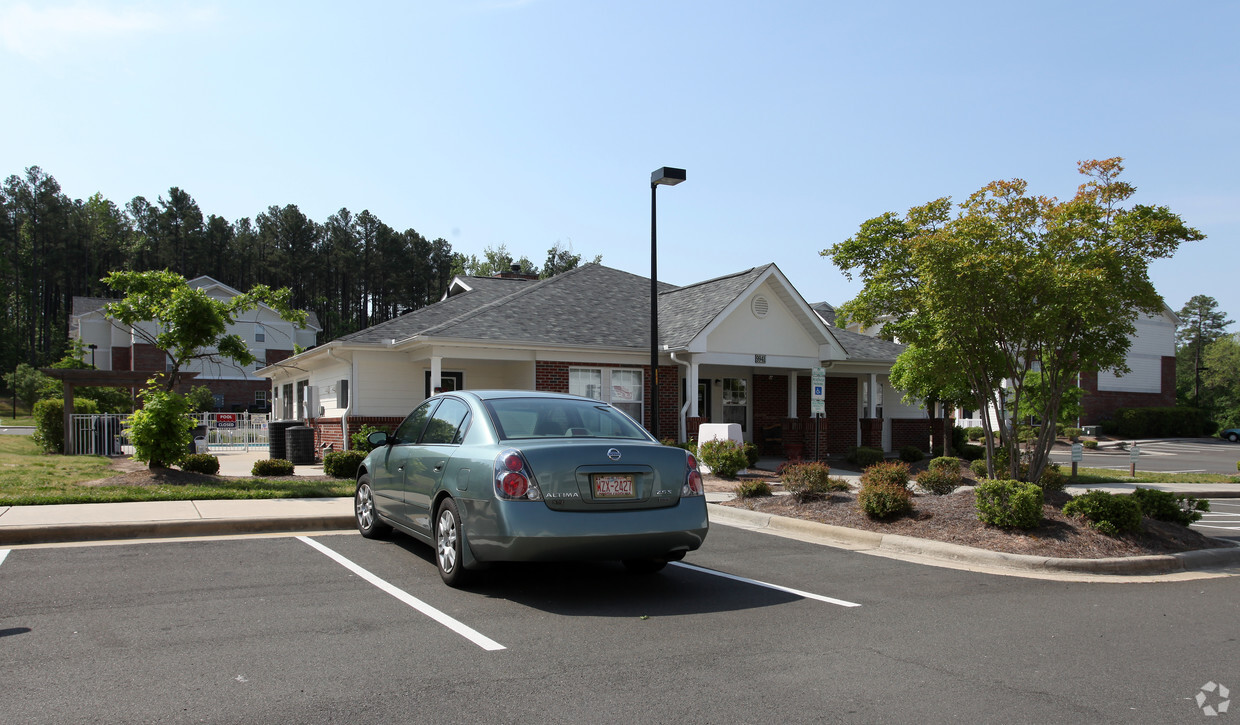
(107,435)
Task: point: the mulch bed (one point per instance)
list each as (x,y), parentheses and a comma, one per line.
(953,518)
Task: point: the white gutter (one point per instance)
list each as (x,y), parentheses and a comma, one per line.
(691,391)
(344,417)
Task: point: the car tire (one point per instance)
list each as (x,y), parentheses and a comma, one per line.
(450,544)
(369,524)
(645,566)
(1233,437)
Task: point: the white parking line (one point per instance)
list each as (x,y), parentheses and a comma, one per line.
(798,592)
(4,553)
(456,626)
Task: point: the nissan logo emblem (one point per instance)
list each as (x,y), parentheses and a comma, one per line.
(613,454)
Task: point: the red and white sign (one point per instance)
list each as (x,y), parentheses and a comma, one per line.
(226,420)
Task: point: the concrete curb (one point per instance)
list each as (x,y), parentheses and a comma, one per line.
(898,544)
(67,533)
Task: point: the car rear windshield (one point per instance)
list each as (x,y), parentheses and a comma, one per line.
(561,418)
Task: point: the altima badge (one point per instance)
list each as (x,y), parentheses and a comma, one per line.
(613,454)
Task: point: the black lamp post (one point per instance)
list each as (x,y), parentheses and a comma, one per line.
(667,176)
(92,347)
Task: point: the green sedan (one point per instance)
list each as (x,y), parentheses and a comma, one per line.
(504,475)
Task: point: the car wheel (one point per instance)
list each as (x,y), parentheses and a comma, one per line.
(1233,437)
(368,522)
(449,544)
(645,566)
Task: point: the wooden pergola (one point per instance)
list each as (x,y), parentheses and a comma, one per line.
(91,378)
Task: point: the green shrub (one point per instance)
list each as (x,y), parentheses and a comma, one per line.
(941,481)
(1009,504)
(911,454)
(724,458)
(1052,478)
(686,446)
(881,500)
(895,473)
(272,467)
(978,467)
(971,452)
(201,463)
(358,442)
(160,431)
(975,432)
(752,489)
(1073,434)
(1167,506)
(811,482)
(864,456)
(49,421)
(342,464)
(751,455)
(1110,514)
(1090,444)
(1160,422)
(948,462)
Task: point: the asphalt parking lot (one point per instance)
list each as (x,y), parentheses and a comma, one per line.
(1171,455)
(337,628)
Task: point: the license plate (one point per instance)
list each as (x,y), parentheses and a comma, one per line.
(613,486)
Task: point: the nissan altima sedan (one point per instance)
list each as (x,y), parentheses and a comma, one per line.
(502,475)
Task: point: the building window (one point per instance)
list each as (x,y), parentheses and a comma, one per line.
(736,401)
(623,388)
(260,397)
(260,333)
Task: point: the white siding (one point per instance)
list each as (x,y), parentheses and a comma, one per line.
(1154,338)
(777,333)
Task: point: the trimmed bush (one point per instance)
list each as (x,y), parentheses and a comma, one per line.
(941,481)
(724,458)
(864,456)
(1160,422)
(975,432)
(971,452)
(342,464)
(49,421)
(911,454)
(751,455)
(752,489)
(807,482)
(1091,445)
(1052,478)
(884,500)
(201,463)
(948,462)
(272,467)
(978,467)
(894,473)
(1109,514)
(1009,504)
(1073,434)
(1167,506)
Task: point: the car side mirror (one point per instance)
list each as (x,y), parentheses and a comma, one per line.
(379,438)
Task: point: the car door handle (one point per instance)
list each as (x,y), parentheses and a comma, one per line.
(439,466)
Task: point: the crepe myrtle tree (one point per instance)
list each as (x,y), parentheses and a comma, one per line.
(187,325)
(1009,283)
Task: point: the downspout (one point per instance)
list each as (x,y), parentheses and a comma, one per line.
(344,416)
(691,394)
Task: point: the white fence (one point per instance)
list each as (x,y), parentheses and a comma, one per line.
(106,435)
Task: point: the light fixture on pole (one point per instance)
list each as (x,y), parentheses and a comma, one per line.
(667,176)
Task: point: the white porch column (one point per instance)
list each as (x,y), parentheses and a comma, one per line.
(871,408)
(436,373)
(792,394)
(691,388)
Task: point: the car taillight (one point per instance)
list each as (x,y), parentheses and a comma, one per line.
(693,479)
(513,480)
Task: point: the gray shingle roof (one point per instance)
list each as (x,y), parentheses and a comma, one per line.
(686,311)
(866,348)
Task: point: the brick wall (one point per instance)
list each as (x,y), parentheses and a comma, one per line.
(872,432)
(149,357)
(910,432)
(1099,405)
(841,409)
(329,430)
(121,359)
(770,408)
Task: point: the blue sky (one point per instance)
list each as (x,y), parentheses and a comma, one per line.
(527,122)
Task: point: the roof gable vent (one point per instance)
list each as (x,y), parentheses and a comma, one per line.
(760,307)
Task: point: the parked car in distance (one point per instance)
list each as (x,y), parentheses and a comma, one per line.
(1231,434)
(502,475)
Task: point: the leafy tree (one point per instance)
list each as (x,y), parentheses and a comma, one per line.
(1014,282)
(1220,380)
(106,399)
(1201,323)
(200,399)
(26,382)
(187,325)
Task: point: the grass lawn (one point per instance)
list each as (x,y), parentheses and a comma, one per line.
(30,477)
(1103,475)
